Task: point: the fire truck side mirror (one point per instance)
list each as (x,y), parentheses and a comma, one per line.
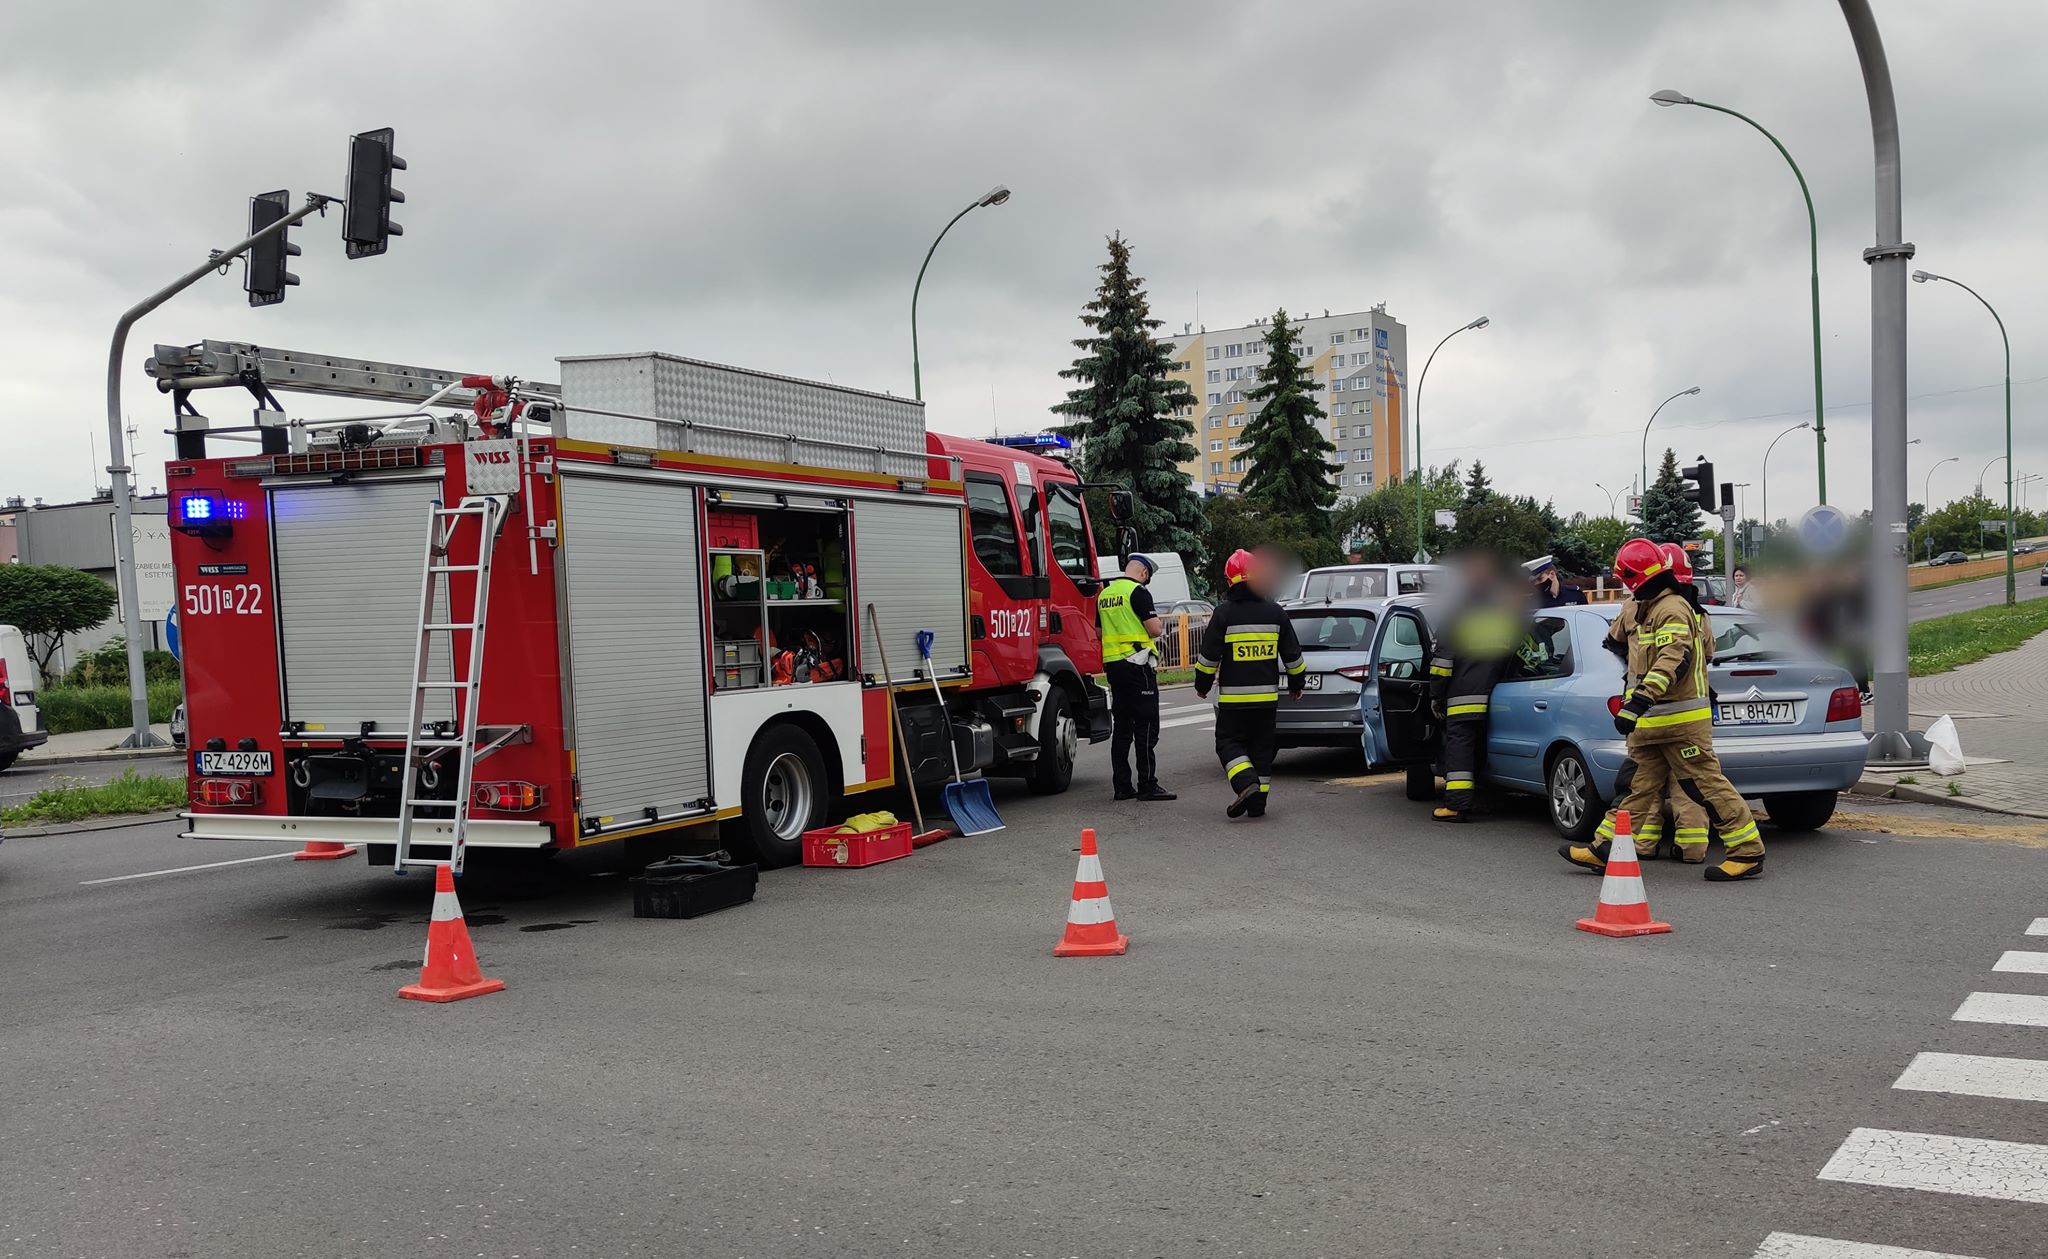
(1121,506)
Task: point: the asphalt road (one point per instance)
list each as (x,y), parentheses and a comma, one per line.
(1921,604)
(1341,1031)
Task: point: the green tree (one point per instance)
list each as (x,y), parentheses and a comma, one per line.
(1125,410)
(1669,515)
(1477,486)
(1600,537)
(1287,456)
(1237,523)
(47,601)
(1958,526)
(1383,521)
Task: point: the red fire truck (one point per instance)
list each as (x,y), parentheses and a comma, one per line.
(655,596)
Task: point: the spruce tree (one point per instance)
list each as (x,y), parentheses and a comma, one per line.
(1669,514)
(1477,486)
(1124,411)
(1287,457)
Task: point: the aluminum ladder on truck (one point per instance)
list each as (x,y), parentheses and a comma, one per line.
(428,744)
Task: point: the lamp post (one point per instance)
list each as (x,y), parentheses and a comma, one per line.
(994,196)
(1981,472)
(1611,495)
(1766,508)
(1421,555)
(1646,434)
(1927,500)
(2022,483)
(1922,277)
(1667,98)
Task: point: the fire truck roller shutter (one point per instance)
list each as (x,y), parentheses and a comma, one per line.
(636,647)
(909,564)
(349,560)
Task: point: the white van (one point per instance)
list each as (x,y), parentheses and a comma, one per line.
(1368,581)
(21,722)
(1169,582)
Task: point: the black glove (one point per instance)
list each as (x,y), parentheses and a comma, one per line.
(1296,683)
(1201,685)
(1631,712)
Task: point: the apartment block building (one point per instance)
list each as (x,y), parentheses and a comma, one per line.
(1359,363)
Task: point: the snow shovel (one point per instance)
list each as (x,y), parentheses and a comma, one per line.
(972,807)
(922,836)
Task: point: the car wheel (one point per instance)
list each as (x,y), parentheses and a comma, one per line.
(7,759)
(1800,810)
(1422,782)
(1058,738)
(783,793)
(1574,805)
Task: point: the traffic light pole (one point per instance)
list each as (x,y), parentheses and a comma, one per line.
(118,470)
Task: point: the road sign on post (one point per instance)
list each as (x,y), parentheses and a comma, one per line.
(1824,529)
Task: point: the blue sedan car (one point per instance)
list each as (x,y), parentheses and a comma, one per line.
(1788,724)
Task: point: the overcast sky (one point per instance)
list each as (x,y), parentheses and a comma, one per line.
(756,183)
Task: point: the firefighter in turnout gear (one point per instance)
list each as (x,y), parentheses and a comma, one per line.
(1248,645)
(1667,716)
(1479,638)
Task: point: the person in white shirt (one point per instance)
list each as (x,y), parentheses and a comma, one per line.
(1744,595)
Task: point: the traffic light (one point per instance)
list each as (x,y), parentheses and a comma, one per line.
(1701,475)
(265,277)
(366,223)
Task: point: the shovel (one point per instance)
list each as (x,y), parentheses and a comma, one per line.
(972,807)
(922,836)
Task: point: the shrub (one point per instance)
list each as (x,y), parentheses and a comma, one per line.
(69,709)
(107,665)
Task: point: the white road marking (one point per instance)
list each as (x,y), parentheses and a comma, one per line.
(1188,708)
(2039,927)
(211,865)
(1800,1246)
(1928,1161)
(1204,719)
(2019,1009)
(2017,961)
(2014,1079)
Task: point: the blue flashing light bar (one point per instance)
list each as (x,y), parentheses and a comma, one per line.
(205,509)
(1034,441)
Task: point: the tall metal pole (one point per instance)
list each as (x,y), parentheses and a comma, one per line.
(1766,508)
(117,468)
(1820,436)
(1922,277)
(994,196)
(1421,554)
(1646,433)
(1892,743)
(1927,498)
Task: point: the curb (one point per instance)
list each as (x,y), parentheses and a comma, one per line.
(1914,794)
(84,758)
(121,822)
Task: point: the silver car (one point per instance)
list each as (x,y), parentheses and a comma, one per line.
(1336,643)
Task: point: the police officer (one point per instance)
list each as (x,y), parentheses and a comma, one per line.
(1248,644)
(1668,720)
(1130,627)
(1551,589)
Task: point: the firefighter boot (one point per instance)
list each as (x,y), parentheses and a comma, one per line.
(1591,856)
(1450,813)
(1744,858)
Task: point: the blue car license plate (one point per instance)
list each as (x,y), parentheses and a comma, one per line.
(1770,712)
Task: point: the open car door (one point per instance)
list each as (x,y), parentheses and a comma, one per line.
(1405,732)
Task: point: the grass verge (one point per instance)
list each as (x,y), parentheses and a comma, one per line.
(69,709)
(1942,643)
(77,801)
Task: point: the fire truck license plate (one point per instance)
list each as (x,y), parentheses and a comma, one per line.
(243,764)
(1775,712)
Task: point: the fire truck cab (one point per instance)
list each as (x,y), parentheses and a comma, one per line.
(663,594)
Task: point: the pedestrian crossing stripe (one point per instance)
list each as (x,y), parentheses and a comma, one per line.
(2016,1008)
(2020,962)
(1800,1246)
(1935,1163)
(2011,1079)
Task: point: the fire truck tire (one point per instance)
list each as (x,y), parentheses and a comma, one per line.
(784,791)
(1058,737)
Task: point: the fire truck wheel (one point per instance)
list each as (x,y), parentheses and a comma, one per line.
(782,795)
(1057,740)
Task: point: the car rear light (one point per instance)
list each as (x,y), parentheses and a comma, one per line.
(1845,705)
(227,793)
(507,797)
(1614,706)
(1357,673)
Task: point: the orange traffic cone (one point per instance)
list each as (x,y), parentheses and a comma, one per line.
(323,850)
(1624,908)
(1091,923)
(449,972)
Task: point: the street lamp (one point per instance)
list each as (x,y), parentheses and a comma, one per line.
(1422,556)
(1611,496)
(994,196)
(1646,432)
(1668,98)
(2023,482)
(1927,500)
(1766,508)
(1922,277)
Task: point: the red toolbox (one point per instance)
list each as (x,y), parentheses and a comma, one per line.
(731,531)
(827,847)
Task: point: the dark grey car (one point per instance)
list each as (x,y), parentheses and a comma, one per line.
(1336,644)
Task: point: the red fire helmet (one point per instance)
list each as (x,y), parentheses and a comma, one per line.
(1677,560)
(1638,560)
(1237,567)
